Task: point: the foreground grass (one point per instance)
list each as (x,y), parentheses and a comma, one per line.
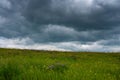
(45,65)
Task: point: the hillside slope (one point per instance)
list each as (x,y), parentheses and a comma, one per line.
(18,64)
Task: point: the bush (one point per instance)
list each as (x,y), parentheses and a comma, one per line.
(9,72)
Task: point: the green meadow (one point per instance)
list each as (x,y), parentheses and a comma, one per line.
(52,65)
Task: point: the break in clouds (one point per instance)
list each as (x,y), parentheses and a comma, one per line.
(69,25)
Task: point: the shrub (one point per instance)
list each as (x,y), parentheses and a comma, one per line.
(9,72)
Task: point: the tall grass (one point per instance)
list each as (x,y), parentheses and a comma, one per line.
(44,65)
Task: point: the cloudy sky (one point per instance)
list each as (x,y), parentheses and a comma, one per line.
(67,25)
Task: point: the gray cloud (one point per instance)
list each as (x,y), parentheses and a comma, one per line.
(27,43)
(59,21)
(79,14)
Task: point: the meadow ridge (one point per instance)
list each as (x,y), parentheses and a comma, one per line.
(18,64)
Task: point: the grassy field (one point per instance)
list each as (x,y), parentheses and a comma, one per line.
(51,65)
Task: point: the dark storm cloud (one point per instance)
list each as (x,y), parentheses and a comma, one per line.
(93,15)
(45,21)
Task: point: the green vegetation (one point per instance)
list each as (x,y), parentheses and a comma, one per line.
(51,65)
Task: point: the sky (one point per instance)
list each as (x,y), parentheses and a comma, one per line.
(63,25)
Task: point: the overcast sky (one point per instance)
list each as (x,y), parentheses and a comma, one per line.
(67,25)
